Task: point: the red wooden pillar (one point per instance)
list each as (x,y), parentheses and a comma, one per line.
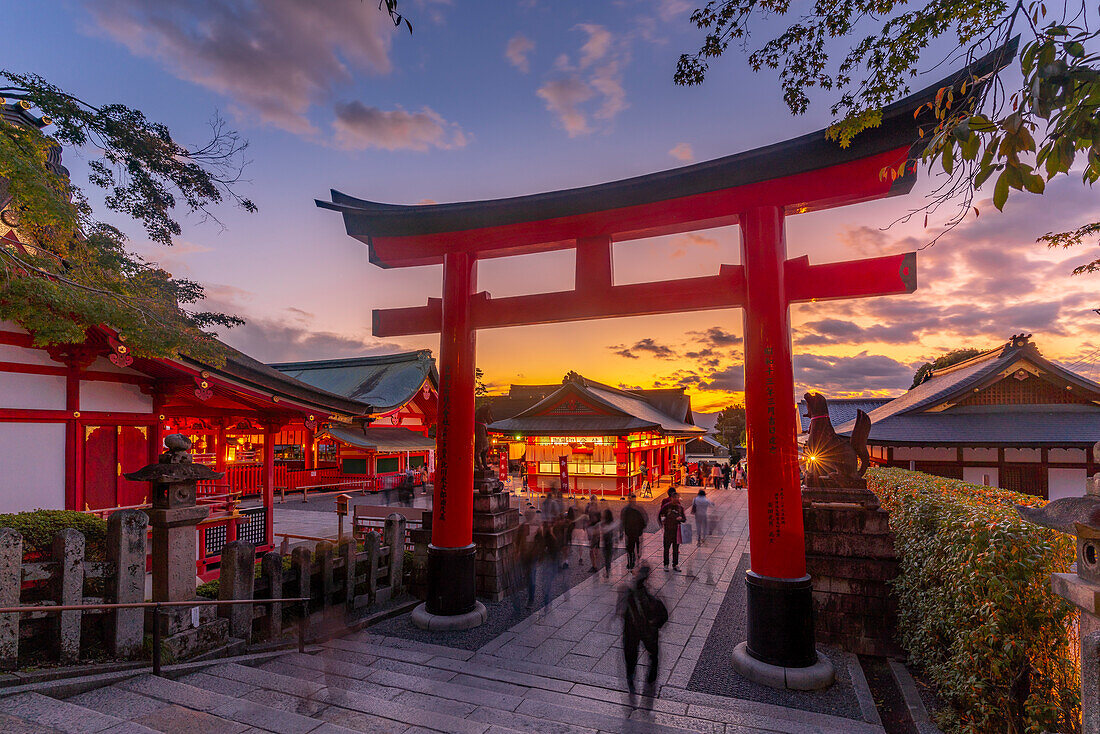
(780,612)
(310,448)
(73,428)
(451,569)
(268,480)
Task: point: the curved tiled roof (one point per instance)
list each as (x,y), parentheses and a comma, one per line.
(925,414)
(384,381)
(630,411)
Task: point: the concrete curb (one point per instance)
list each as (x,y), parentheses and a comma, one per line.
(908,687)
(863,691)
(67,687)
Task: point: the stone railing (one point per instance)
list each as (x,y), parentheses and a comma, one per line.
(342,582)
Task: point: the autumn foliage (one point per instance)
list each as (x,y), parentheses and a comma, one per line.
(976,612)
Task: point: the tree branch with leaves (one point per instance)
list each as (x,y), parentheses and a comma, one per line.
(1020,138)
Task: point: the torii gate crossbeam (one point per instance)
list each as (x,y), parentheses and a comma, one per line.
(755,190)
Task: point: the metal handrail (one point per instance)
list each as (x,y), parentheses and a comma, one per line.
(156,607)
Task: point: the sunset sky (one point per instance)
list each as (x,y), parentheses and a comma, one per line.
(485,100)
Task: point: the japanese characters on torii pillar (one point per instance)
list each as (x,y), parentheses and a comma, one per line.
(755,190)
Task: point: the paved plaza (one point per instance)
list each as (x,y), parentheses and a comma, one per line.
(558,670)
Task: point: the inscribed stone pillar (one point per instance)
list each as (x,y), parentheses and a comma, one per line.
(126,535)
(237,581)
(68,553)
(11,562)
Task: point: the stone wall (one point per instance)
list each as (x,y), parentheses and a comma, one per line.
(850,557)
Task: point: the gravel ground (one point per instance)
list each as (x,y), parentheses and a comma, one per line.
(503,615)
(714,671)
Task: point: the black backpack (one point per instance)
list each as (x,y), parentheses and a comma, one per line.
(645,612)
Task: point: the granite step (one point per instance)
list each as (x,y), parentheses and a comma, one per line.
(532,707)
(44,714)
(589,691)
(300,693)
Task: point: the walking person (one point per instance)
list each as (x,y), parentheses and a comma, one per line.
(727,470)
(607,539)
(670,518)
(699,507)
(643,616)
(716,476)
(550,560)
(633,520)
(592,529)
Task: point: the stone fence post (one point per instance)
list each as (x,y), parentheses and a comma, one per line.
(301,561)
(347,552)
(395,539)
(372,547)
(126,533)
(237,581)
(271,568)
(68,553)
(11,562)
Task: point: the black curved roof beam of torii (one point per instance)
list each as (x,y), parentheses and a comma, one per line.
(807,173)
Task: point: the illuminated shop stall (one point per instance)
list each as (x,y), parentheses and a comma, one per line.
(611,440)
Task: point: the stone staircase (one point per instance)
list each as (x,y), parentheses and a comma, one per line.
(367,683)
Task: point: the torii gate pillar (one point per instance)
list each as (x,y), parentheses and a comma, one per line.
(451,566)
(780,594)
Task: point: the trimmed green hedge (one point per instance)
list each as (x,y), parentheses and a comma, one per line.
(976,612)
(39,526)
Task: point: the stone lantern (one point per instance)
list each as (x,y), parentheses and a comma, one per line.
(173,518)
(1080,517)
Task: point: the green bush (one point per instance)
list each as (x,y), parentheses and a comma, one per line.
(976,612)
(39,526)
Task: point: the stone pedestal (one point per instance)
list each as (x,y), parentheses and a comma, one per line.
(850,557)
(496,523)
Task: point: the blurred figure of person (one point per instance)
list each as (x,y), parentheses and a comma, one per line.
(727,470)
(607,539)
(527,558)
(567,523)
(548,558)
(716,476)
(670,517)
(643,616)
(592,518)
(632,521)
(699,507)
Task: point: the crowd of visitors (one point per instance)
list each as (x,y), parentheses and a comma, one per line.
(718,475)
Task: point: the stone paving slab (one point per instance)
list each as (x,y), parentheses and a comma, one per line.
(266,717)
(265,679)
(117,702)
(60,715)
(14,725)
(180,720)
(397,712)
(529,723)
(174,692)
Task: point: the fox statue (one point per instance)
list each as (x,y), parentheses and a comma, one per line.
(832,460)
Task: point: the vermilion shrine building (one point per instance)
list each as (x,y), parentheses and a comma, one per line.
(612,439)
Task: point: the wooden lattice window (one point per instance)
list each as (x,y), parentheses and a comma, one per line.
(1031,390)
(1025,479)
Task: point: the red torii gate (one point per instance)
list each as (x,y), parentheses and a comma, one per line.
(757,190)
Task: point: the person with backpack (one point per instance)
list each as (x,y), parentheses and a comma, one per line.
(670,518)
(643,616)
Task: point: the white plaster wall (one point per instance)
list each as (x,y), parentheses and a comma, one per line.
(925,453)
(32,392)
(1068,456)
(978,474)
(113,397)
(980,455)
(1066,483)
(32,466)
(23,355)
(1023,455)
(13,327)
(102,364)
